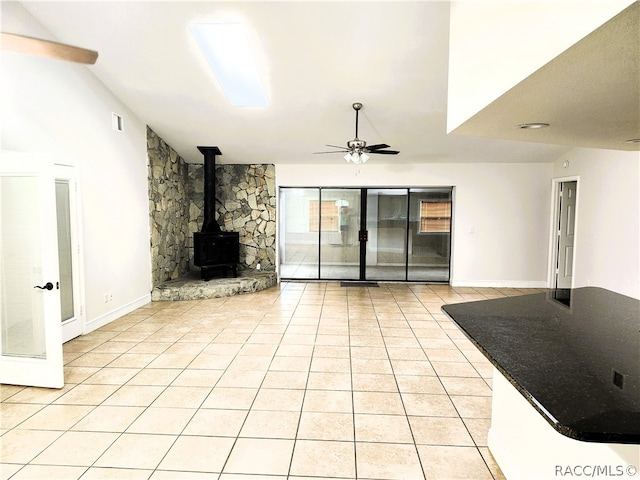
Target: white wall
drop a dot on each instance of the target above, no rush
(607, 248)
(495, 44)
(61, 108)
(501, 212)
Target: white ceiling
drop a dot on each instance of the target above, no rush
(317, 59)
(589, 94)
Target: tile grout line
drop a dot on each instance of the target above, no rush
(304, 395)
(477, 447)
(402, 400)
(353, 400)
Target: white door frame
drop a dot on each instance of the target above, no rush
(76, 326)
(553, 228)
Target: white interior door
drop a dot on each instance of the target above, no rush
(566, 234)
(30, 333)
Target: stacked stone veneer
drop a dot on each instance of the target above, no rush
(168, 210)
(246, 204)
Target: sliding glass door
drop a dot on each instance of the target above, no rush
(299, 234)
(382, 234)
(339, 226)
(386, 246)
(429, 239)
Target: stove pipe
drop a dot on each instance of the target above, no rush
(209, 224)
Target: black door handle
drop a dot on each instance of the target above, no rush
(47, 286)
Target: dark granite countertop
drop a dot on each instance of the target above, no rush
(573, 354)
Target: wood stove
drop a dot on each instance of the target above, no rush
(214, 251)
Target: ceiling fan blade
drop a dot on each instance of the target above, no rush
(385, 152)
(45, 48)
(338, 146)
(377, 146)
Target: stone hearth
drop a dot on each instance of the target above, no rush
(191, 287)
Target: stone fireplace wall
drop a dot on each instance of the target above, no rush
(168, 210)
(246, 204)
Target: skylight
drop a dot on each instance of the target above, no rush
(226, 48)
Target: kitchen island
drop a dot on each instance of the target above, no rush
(566, 385)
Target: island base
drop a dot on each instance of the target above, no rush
(526, 446)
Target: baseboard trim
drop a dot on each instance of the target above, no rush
(498, 283)
(109, 317)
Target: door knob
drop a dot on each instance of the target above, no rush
(47, 286)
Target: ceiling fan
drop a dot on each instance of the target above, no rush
(45, 48)
(357, 150)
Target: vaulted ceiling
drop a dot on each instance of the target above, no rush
(317, 58)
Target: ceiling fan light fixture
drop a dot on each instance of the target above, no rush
(356, 157)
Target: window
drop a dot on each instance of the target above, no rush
(328, 216)
(230, 56)
(435, 217)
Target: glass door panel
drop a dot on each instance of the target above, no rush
(386, 247)
(22, 332)
(429, 234)
(64, 249)
(299, 233)
(30, 332)
(68, 253)
(339, 217)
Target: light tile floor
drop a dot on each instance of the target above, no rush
(301, 380)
